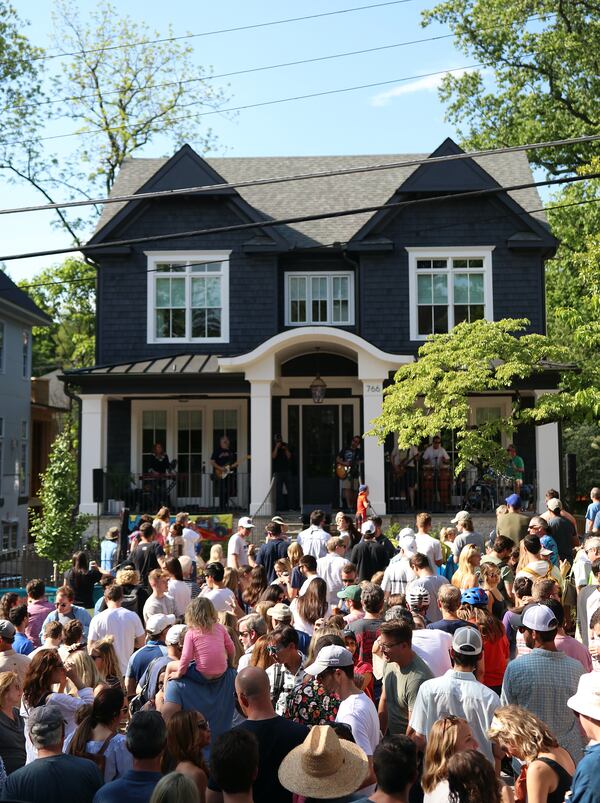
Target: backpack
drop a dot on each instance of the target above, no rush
(143, 696)
(99, 758)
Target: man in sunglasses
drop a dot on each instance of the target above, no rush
(65, 611)
(288, 668)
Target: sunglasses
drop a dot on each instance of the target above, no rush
(203, 724)
(388, 647)
(449, 719)
(272, 650)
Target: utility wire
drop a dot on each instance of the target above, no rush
(208, 188)
(249, 70)
(250, 27)
(335, 244)
(246, 106)
(300, 218)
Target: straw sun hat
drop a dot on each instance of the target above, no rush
(323, 766)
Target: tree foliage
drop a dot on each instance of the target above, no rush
(120, 97)
(432, 394)
(67, 293)
(57, 528)
(540, 78)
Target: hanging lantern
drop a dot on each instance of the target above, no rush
(317, 389)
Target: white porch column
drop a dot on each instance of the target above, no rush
(547, 455)
(260, 446)
(91, 447)
(373, 451)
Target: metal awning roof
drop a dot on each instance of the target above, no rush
(173, 365)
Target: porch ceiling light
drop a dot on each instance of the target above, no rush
(317, 389)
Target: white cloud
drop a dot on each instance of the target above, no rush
(427, 84)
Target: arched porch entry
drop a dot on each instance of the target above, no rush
(280, 371)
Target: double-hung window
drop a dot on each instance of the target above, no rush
(188, 298)
(447, 287)
(319, 298)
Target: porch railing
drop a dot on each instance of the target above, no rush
(194, 492)
(438, 490)
(19, 566)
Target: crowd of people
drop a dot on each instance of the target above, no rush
(344, 665)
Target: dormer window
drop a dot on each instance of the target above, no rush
(319, 298)
(188, 297)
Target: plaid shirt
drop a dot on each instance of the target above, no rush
(542, 682)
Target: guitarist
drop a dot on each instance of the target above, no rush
(223, 457)
(405, 467)
(351, 460)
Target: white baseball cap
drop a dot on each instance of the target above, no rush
(539, 617)
(367, 528)
(467, 641)
(462, 515)
(245, 522)
(159, 622)
(176, 634)
(330, 658)
(407, 542)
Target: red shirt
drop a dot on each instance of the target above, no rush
(495, 654)
(362, 503)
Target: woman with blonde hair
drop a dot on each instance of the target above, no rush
(547, 768)
(449, 735)
(206, 641)
(104, 656)
(294, 553)
(467, 574)
(217, 555)
(86, 669)
(261, 657)
(12, 734)
(188, 733)
(261, 608)
(176, 788)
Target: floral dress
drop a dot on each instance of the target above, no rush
(310, 704)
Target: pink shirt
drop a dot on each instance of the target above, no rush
(208, 650)
(575, 649)
(38, 611)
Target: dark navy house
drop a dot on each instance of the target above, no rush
(198, 336)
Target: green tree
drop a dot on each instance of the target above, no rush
(67, 293)
(432, 394)
(540, 78)
(57, 528)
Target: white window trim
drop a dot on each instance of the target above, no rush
(503, 402)
(186, 257)
(26, 358)
(470, 252)
(308, 275)
(23, 464)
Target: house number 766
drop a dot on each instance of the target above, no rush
(373, 388)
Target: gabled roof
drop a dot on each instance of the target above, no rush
(317, 195)
(19, 304)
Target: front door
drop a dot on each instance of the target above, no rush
(320, 444)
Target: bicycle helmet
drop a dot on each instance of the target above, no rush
(417, 597)
(474, 596)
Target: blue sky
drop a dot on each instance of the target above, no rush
(399, 117)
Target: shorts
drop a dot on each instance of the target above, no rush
(351, 482)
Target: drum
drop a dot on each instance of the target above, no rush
(444, 479)
(427, 486)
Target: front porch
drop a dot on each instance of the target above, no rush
(187, 402)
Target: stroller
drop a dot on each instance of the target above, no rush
(481, 495)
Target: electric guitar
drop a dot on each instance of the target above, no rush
(222, 472)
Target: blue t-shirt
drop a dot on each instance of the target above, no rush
(54, 779)
(596, 525)
(215, 698)
(22, 644)
(585, 787)
(139, 661)
(133, 787)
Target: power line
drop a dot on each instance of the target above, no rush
(250, 27)
(246, 106)
(301, 218)
(304, 249)
(430, 160)
(250, 70)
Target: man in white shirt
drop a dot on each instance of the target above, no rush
(431, 581)
(330, 568)
(432, 646)
(427, 545)
(466, 534)
(458, 693)
(314, 539)
(334, 667)
(237, 548)
(123, 625)
(250, 629)
(435, 454)
(399, 574)
(582, 565)
(222, 598)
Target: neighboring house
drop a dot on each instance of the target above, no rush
(18, 314)
(225, 332)
(49, 405)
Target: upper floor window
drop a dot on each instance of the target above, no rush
(26, 355)
(447, 287)
(319, 298)
(188, 297)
